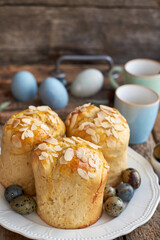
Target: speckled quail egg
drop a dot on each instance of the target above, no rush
(24, 86)
(23, 204)
(125, 191)
(12, 192)
(132, 177)
(109, 191)
(114, 206)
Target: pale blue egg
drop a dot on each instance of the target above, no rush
(24, 86)
(53, 93)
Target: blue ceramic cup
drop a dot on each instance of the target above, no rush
(139, 105)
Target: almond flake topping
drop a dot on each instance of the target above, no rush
(54, 154)
(119, 127)
(26, 134)
(62, 161)
(53, 120)
(82, 173)
(16, 141)
(52, 141)
(92, 163)
(16, 123)
(41, 157)
(43, 108)
(73, 120)
(106, 166)
(90, 131)
(69, 140)
(101, 115)
(44, 127)
(69, 154)
(26, 120)
(95, 139)
(114, 133)
(23, 129)
(105, 124)
(32, 108)
(81, 152)
(91, 174)
(82, 108)
(33, 127)
(97, 122)
(108, 132)
(10, 121)
(42, 146)
(84, 124)
(44, 154)
(57, 148)
(103, 107)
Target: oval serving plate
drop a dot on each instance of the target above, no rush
(137, 212)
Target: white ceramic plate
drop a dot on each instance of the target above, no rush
(138, 211)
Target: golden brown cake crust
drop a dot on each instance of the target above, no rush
(106, 127)
(20, 134)
(70, 176)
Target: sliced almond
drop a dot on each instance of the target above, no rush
(23, 129)
(30, 133)
(115, 133)
(41, 157)
(33, 127)
(91, 174)
(53, 120)
(83, 173)
(103, 107)
(54, 155)
(44, 154)
(69, 154)
(84, 106)
(16, 141)
(95, 138)
(10, 121)
(51, 158)
(52, 141)
(90, 131)
(80, 152)
(84, 124)
(73, 120)
(92, 163)
(101, 115)
(57, 148)
(32, 108)
(119, 127)
(26, 120)
(105, 124)
(43, 108)
(62, 160)
(106, 166)
(108, 132)
(69, 140)
(97, 122)
(44, 127)
(111, 144)
(92, 145)
(42, 146)
(16, 123)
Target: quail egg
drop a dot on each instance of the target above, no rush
(114, 206)
(23, 204)
(125, 191)
(109, 191)
(12, 192)
(132, 177)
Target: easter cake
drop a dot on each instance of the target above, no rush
(105, 127)
(20, 134)
(70, 176)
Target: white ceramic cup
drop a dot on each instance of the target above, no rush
(139, 105)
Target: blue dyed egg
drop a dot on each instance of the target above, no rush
(24, 86)
(53, 93)
(125, 191)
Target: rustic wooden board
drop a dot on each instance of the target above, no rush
(150, 230)
(100, 3)
(41, 33)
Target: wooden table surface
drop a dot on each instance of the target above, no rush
(148, 231)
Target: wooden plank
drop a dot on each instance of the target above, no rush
(40, 34)
(87, 3)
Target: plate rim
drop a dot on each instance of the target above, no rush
(125, 230)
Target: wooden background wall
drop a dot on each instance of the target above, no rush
(38, 31)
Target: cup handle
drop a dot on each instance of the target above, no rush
(111, 75)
